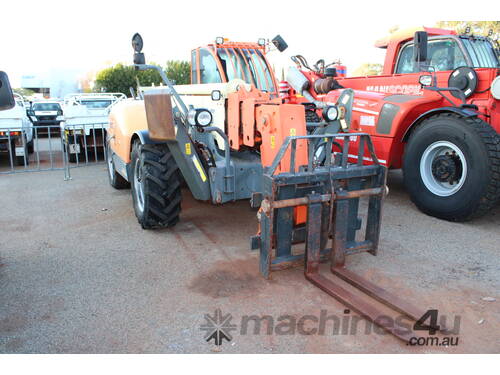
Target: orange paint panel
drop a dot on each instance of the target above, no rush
(233, 120)
(248, 121)
(126, 118)
(275, 123)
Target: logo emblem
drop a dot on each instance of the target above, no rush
(218, 327)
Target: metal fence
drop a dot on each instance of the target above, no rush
(48, 148)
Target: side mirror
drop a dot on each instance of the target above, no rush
(420, 46)
(137, 45)
(6, 96)
(279, 43)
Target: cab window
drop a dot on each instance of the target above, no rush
(208, 68)
(442, 54)
(233, 67)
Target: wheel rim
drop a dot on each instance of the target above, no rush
(443, 168)
(138, 186)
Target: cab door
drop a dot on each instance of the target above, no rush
(205, 68)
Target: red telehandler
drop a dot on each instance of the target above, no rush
(434, 112)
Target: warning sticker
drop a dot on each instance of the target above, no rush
(188, 148)
(367, 120)
(273, 141)
(199, 168)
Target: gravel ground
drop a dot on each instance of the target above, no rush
(78, 275)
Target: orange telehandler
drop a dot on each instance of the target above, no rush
(230, 136)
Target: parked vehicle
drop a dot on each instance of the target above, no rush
(44, 114)
(86, 121)
(434, 112)
(16, 132)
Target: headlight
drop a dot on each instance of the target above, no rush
(330, 113)
(199, 117)
(33, 118)
(495, 88)
(59, 118)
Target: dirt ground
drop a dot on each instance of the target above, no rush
(79, 275)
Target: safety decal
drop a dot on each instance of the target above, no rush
(199, 168)
(367, 120)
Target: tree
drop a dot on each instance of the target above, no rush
(120, 78)
(476, 27)
(149, 77)
(368, 69)
(179, 72)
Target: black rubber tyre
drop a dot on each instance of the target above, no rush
(155, 186)
(477, 187)
(116, 180)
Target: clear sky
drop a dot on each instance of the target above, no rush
(85, 35)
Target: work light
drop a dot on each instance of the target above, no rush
(495, 88)
(199, 117)
(330, 113)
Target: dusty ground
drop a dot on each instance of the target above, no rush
(78, 275)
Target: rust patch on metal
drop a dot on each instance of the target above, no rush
(159, 114)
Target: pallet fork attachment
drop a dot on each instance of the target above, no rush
(331, 192)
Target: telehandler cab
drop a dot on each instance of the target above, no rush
(434, 112)
(230, 137)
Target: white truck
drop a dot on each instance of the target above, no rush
(16, 133)
(85, 123)
(46, 115)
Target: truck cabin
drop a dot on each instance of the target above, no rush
(446, 50)
(224, 61)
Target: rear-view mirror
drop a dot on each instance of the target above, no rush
(137, 45)
(6, 97)
(420, 46)
(279, 43)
